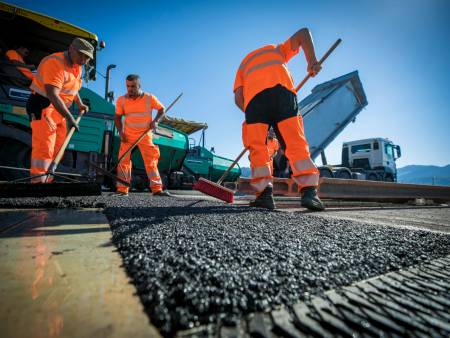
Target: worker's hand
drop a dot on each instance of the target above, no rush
(73, 123)
(123, 137)
(154, 125)
(314, 68)
(83, 108)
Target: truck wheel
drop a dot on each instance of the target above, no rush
(326, 172)
(373, 177)
(14, 154)
(343, 174)
(389, 179)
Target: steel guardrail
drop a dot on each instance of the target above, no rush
(356, 190)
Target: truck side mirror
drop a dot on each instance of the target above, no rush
(399, 151)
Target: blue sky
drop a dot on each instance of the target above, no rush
(400, 48)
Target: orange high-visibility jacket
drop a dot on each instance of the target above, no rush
(137, 112)
(14, 56)
(265, 68)
(55, 70)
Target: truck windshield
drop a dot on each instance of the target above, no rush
(388, 149)
(361, 148)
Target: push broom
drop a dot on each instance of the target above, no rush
(216, 189)
(135, 143)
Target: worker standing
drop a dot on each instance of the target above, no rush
(265, 92)
(273, 146)
(55, 86)
(17, 56)
(136, 110)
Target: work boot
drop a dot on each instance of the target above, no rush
(310, 199)
(162, 193)
(120, 193)
(265, 199)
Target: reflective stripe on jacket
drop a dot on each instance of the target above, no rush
(137, 112)
(55, 70)
(265, 68)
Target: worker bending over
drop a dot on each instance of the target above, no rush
(265, 91)
(136, 110)
(17, 56)
(55, 86)
(273, 146)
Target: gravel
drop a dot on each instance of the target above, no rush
(193, 262)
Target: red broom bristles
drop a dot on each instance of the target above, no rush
(214, 190)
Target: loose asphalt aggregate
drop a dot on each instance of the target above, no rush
(193, 262)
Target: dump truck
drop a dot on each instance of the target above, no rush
(370, 159)
(326, 112)
(181, 162)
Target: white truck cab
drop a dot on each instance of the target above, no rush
(375, 157)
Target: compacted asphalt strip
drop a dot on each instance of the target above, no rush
(195, 262)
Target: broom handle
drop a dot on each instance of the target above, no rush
(232, 166)
(61, 151)
(327, 54)
(141, 137)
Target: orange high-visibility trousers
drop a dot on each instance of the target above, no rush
(47, 136)
(150, 155)
(304, 171)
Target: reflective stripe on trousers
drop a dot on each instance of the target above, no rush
(47, 136)
(261, 177)
(305, 173)
(40, 164)
(124, 172)
(154, 178)
(150, 155)
(254, 137)
(311, 180)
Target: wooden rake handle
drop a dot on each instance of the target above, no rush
(141, 137)
(61, 151)
(327, 54)
(232, 166)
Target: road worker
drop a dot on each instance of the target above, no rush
(273, 146)
(17, 56)
(133, 117)
(55, 86)
(265, 92)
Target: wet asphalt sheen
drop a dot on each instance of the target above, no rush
(194, 261)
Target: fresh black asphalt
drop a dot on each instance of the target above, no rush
(193, 262)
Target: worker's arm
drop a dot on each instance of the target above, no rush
(303, 39)
(239, 97)
(81, 106)
(119, 126)
(158, 117)
(58, 103)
